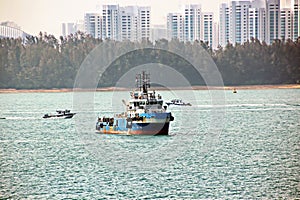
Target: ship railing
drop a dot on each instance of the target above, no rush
(120, 115)
(132, 109)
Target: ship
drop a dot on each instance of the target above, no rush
(145, 113)
(65, 114)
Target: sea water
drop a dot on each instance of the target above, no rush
(244, 145)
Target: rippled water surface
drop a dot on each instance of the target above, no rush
(256, 155)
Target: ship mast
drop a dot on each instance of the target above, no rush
(143, 82)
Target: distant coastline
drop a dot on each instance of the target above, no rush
(240, 87)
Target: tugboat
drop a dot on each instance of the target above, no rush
(144, 115)
(65, 114)
(178, 102)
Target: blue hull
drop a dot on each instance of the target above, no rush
(152, 124)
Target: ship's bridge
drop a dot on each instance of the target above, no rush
(149, 103)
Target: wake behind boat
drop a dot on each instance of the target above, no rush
(144, 115)
(64, 114)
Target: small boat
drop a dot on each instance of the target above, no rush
(65, 114)
(177, 102)
(2, 118)
(145, 113)
(234, 90)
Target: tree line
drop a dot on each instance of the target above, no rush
(43, 61)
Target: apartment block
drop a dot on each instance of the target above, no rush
(273, 21)
(175, 26)
(224, 24)
(296, 19)
(11, 30)
(286, 24)
(119, 23)
(129, 20)
(93, 24)
(208, 28)
(143, 25)
(257, 20)
(111, 22)
(238, 21)
(192, 22)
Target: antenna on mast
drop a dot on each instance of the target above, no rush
(143, 81)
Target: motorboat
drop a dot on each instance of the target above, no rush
(178, 102)
(65, 114)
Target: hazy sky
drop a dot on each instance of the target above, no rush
(47, 15)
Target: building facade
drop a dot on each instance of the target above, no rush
(111, 22)
(216, 42)
(143, 25)
(119, 23)
(175, 26)
(71, 28)
(93, 24)
(129, 22)
(296, 20)
(273, 21)
(68, 28)
(192, 22)
(11, 30)
(257, 20)
(265, 20)
(158, 32)
(208, 28)
(238, 21)
(286, 24)
(224, 24)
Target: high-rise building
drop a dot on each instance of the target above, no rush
(80, 25)
(257, 20)
(191, 25)
(68, 28)
(285, 3)
(10, 24)
(119, 23)
(224, 24)
(71, 28)
(175, 26)
(238, 21)
(111, 22)
(143, 25)
(286, 24)
(128, 22)
(92, 24)
(272, 21)
(11, 30)
(207, 28)
(265, 20)
(215, 43)
(192, 22)
(158, 32)
(296, 20)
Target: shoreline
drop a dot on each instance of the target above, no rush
(108, 89)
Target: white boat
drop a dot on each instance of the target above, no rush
(177, 102)
(65, 114)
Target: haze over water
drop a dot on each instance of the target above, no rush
(255, 156)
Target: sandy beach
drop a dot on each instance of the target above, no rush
(241, 87)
